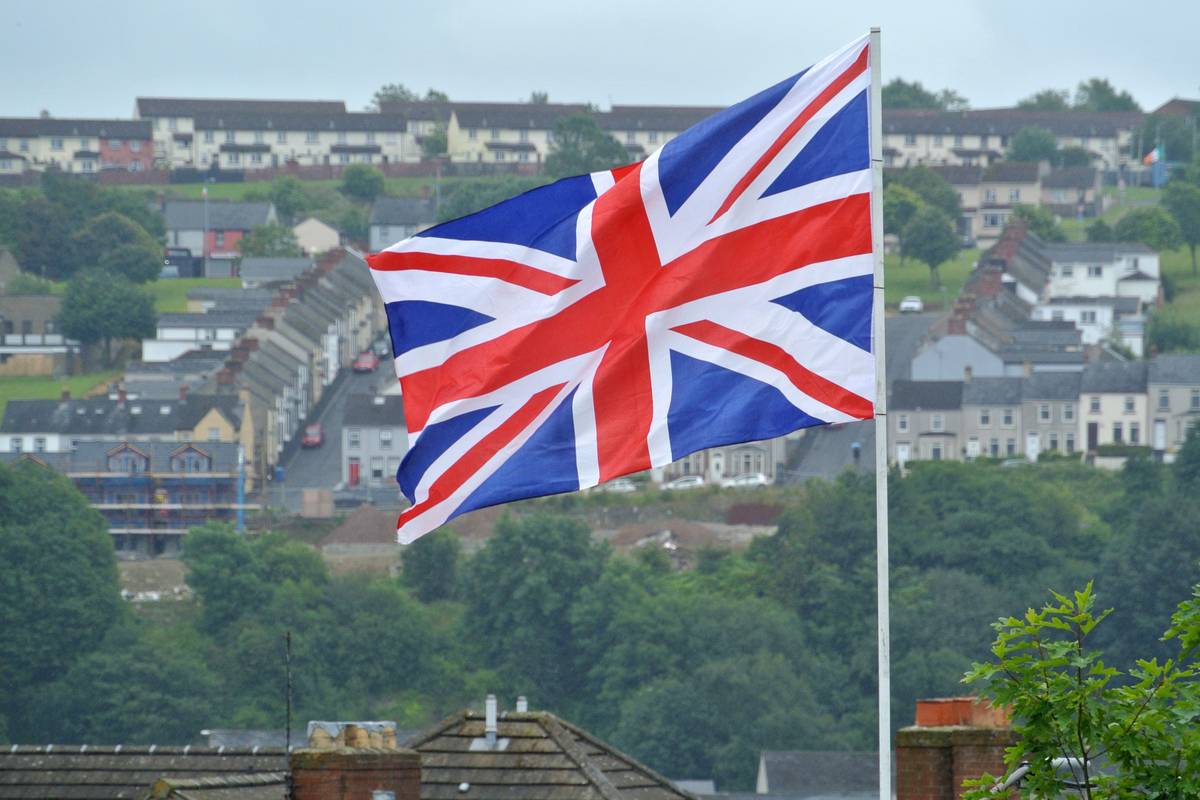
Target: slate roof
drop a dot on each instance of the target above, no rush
(654, 118)
(423, 110)
(1051, 386)
(93, 456)
(1178, 368)
(188, 106)
(1094, 251)
(530, 116)
(988, 391)
(273, 269)
(1070, 178)
(265, 120)
(806, 773)
(214, 318)
(86, 772)
(260, 786)
(1008, 121)
(362, 409)
(222, 215)
(104, 417)
(960, 174)
(403, 211)
(21, 127)
(1116, 377)
(537, 755)
(926, 395)
(1019, 354)
(1011, 172)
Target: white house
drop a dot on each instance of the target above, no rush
(316, 237)
(176, 334)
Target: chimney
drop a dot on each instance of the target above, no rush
(121, 395)
(489, 720)
(953, 739)
(183, 392)
(250, 343)
(957, 324)
(66, 395)
(266, 321)
(968, 373)
(991, 280)
(225, 377)
(355, 774)
(522, 705)
(239, 353)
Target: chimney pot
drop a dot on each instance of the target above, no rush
(489, 723)
(968, 373)
(183, 392)
(522, 704)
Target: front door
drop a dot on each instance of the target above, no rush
(1160, 434)
(1093, 435)
(1033, 446)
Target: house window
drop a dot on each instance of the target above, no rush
(1087, 317)
(471, 133)
(524, 136)
(235, 158)
(958, 141)
(994, 448)
(260, 137)
(171, 124)
(370, 137)
(1068, 412)
(937, 140)
(1053, 437)
(1164, 400)
(993, 220)
(1044, 412)
(1067, 271)
(39, 444)
(902, 423)
(652, 137)
(208, 137)
(343, 158)
(214, 434)
(1195, 399)
(1010, 447)
(1056, 315)
(256, 158)
(989, 195)
(1008, 418)
(1014, 195)
(495, 134)
(341, 137)
(14, 444)
(219, 238)
(499, 155)
(24, 148)
(135, 146)
(281, 137)
(937, 423)
(985, 417)
(1069, 439)
(385, 439)
(1095, 271)
(56, 143)
(523, 157)
(1129, 405)
(354, 437)
(114, 144)
(377, 468)
(935, 451)
(1094, 405)
(229, 137)
(1135, 433)
(311, 137)
(910, 138)
(1118, 435)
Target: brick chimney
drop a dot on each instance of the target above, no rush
(121, 396)
(250, 343)
(349, 773)
(239, 353)
(266, 322)
(66, 395)
(957, 324)
(183, 392)
(225, 377)
(991, 280)
(952, 740)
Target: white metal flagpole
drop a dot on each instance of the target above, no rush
(881, 428)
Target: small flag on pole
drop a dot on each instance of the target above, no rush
(1153, 157)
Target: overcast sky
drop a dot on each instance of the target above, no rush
(86, 59)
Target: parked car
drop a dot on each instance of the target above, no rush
(366, 362)
(620, 485)
(314, 436)
(912, 305)
(749, 479)
(686, 482)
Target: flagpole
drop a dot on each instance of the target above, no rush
(881, 449)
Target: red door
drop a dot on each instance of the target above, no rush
(354, 472)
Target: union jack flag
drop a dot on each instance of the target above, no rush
(717, 292)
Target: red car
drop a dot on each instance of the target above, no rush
(314, 436)
(366, 362)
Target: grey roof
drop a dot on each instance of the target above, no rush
(988, 391)
(262, 120)
(654, 118)
(1051, 386)
(234, 786)
(403, 211)
(74, 771)
(530, 116)
(544, 757)
(1124, 305)
(222, 215)
(423, 110)
(1070, 178)
(813, 773)
(1050, 334)
(1122, 377)
(105, 417)
(367, 410)
(1019, 354)
(19, 127)
(958, 174)
(225, 292)
(1008, 121)
(210, 319)
(1011, 172)
(1094, 251)
(273, 269)
(1178, 368)
(188, 106)
(926, 395)
(93, 456)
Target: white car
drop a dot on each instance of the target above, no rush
(620, 485)
(912, 305)
(686, 482)
(752, 479)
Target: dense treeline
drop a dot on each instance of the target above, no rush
(693, 671)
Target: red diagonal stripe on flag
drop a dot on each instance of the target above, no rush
(772, 355)
(841, 82)
(532, 278)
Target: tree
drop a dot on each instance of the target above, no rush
(1047, 100)
(105, 233)
(931, 187)
(900, 204)
(391, 93)
(1100, 231)
(43, 239)
(430, 566)
(362, 182)
(929, 237)
(58, 582)
(1068, 703)
(99, 307)
(580, 146)
(435, 96)
(1032, 144)
(539, 98)
(289, 197)
(899, 93)
(1073, 156)
(434, 144)
(1187, 463)
(1182, 199)
(1174, 133)
(1152, 226)
(1039, 221)
(25, 284)
(137, 263)
(466, 197)
(1097, 94)
(271, 239)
